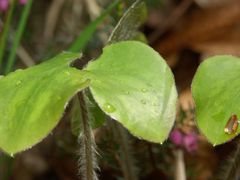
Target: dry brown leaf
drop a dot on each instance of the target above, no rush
(200, 26)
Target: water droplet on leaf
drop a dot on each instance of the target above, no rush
(144, 90)
(232, 125)
(143, 101)
(67, 73)
(109, 108)
(18, 70)
(18, 82)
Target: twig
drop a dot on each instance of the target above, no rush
(180, 173)
(94, 9)
(52, 17)
(151, 156)
(178, 12)
(127, 163)
(25, 57)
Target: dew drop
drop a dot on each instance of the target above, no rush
(18, 70)
(18, 82)
(67, 73)
(12, 155)
(232, 125)
(143, 101)
(109, 108)
(144, 90)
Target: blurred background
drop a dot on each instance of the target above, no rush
(184, 32)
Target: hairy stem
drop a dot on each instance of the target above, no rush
(87, 161)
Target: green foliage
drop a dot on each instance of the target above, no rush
(33, 100)
(127, 27)
(18, 36)
(216, 94)
(4, 34)
(79, 45)
(134, 85)
(129, 81)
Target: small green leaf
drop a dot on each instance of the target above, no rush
(216, 94)
(95, 115)
(32, 101)
(133, 84)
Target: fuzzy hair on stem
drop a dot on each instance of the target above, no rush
(87, 161)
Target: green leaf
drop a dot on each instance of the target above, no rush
(133, 84)
(216, 94)
(127, 27)
(32, 101)
(95, 115)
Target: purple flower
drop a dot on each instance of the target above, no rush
(4, 5)
(176, 137)
(22, 2)
(190, 142)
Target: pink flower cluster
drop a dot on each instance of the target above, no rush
(187, 141)
(5, 3)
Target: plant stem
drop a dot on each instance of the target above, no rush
(127, 163)
(6, 27)
(87, 161)
(230, 169)
(6, 165)
(18, 36)
(151, 156)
